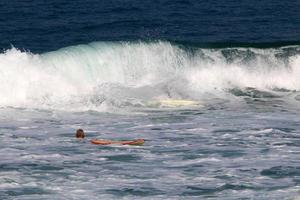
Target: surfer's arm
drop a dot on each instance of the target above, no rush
(107, 142)
(102, 142)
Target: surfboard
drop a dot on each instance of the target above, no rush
(173, 103)
(110, 142)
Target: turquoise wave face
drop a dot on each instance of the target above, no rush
(125, 74)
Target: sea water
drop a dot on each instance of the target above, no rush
(114, 69)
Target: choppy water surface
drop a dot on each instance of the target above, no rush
(237, 137)
(216, 153)
(112, 68)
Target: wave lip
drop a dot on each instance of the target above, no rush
(100, 75)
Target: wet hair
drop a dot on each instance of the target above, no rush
(80, 133)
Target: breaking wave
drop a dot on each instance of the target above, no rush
(102, 75)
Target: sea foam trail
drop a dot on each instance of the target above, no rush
(99, 74)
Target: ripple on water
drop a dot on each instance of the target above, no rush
(281, 172)
(123, 158)
(200, 190)
(141, 191)
(26, 191)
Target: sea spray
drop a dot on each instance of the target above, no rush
(120, 74)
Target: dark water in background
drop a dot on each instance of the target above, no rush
(240, 141)
(41, 26)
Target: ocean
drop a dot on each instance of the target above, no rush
(212, 86)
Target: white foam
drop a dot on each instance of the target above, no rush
(192, 161)
(100, 75)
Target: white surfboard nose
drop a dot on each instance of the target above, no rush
(173, 103)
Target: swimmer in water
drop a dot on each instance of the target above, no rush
(80, 135)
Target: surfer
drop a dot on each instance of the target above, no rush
(80, 135)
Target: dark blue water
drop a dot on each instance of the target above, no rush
(213, 87)
(41, 26)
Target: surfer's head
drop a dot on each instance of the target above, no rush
(80, 133)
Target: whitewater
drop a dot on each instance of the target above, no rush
(238, 139)
(102, 75)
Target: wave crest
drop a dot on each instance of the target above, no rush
(120, 74)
